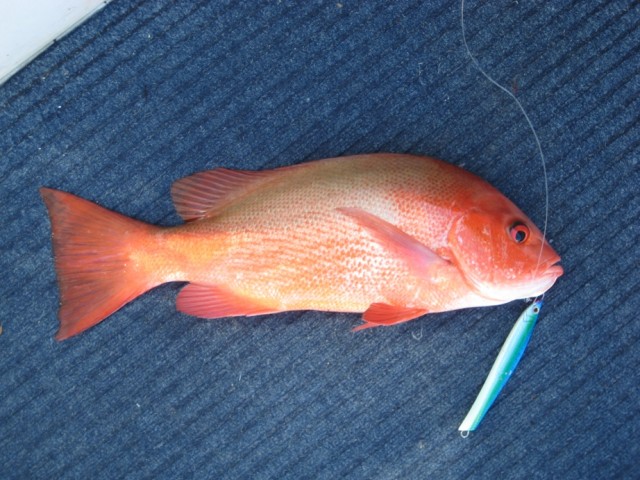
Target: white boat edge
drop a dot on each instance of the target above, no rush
(28, 28)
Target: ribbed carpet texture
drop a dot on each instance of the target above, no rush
(147, 92)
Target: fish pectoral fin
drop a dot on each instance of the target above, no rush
(209, 192)
(210, 301)
(418, 256)
(383, 314)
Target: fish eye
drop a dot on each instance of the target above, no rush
(519, 232)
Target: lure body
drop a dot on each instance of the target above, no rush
(503, 367)
(393, 236)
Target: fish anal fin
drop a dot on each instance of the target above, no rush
(210, 301)
(419, 257)
(207, 193)
(383, 314)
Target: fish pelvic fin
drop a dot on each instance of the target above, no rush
(94, 250)
(382, 314)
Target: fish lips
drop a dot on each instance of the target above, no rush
(552, 268)
(546, 280)
(554, 271)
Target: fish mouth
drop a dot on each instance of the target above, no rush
(547, 279)
(554, 270)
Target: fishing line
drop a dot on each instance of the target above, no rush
(533, 130)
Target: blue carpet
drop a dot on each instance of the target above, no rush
(147, 92)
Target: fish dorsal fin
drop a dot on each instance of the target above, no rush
(207, 193)
(419, 257)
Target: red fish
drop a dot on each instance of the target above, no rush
(393, 236)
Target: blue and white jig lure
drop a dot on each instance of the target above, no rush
(506, 362)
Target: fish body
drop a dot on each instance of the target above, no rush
(394, 236)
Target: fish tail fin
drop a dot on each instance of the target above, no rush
(93, 249)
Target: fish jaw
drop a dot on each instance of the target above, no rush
(525, 288)
(546, 281)
(544, 275)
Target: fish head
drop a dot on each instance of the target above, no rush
(501, 254)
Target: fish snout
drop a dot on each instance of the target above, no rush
(554, 271)
(547, 274)
(550, 263)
